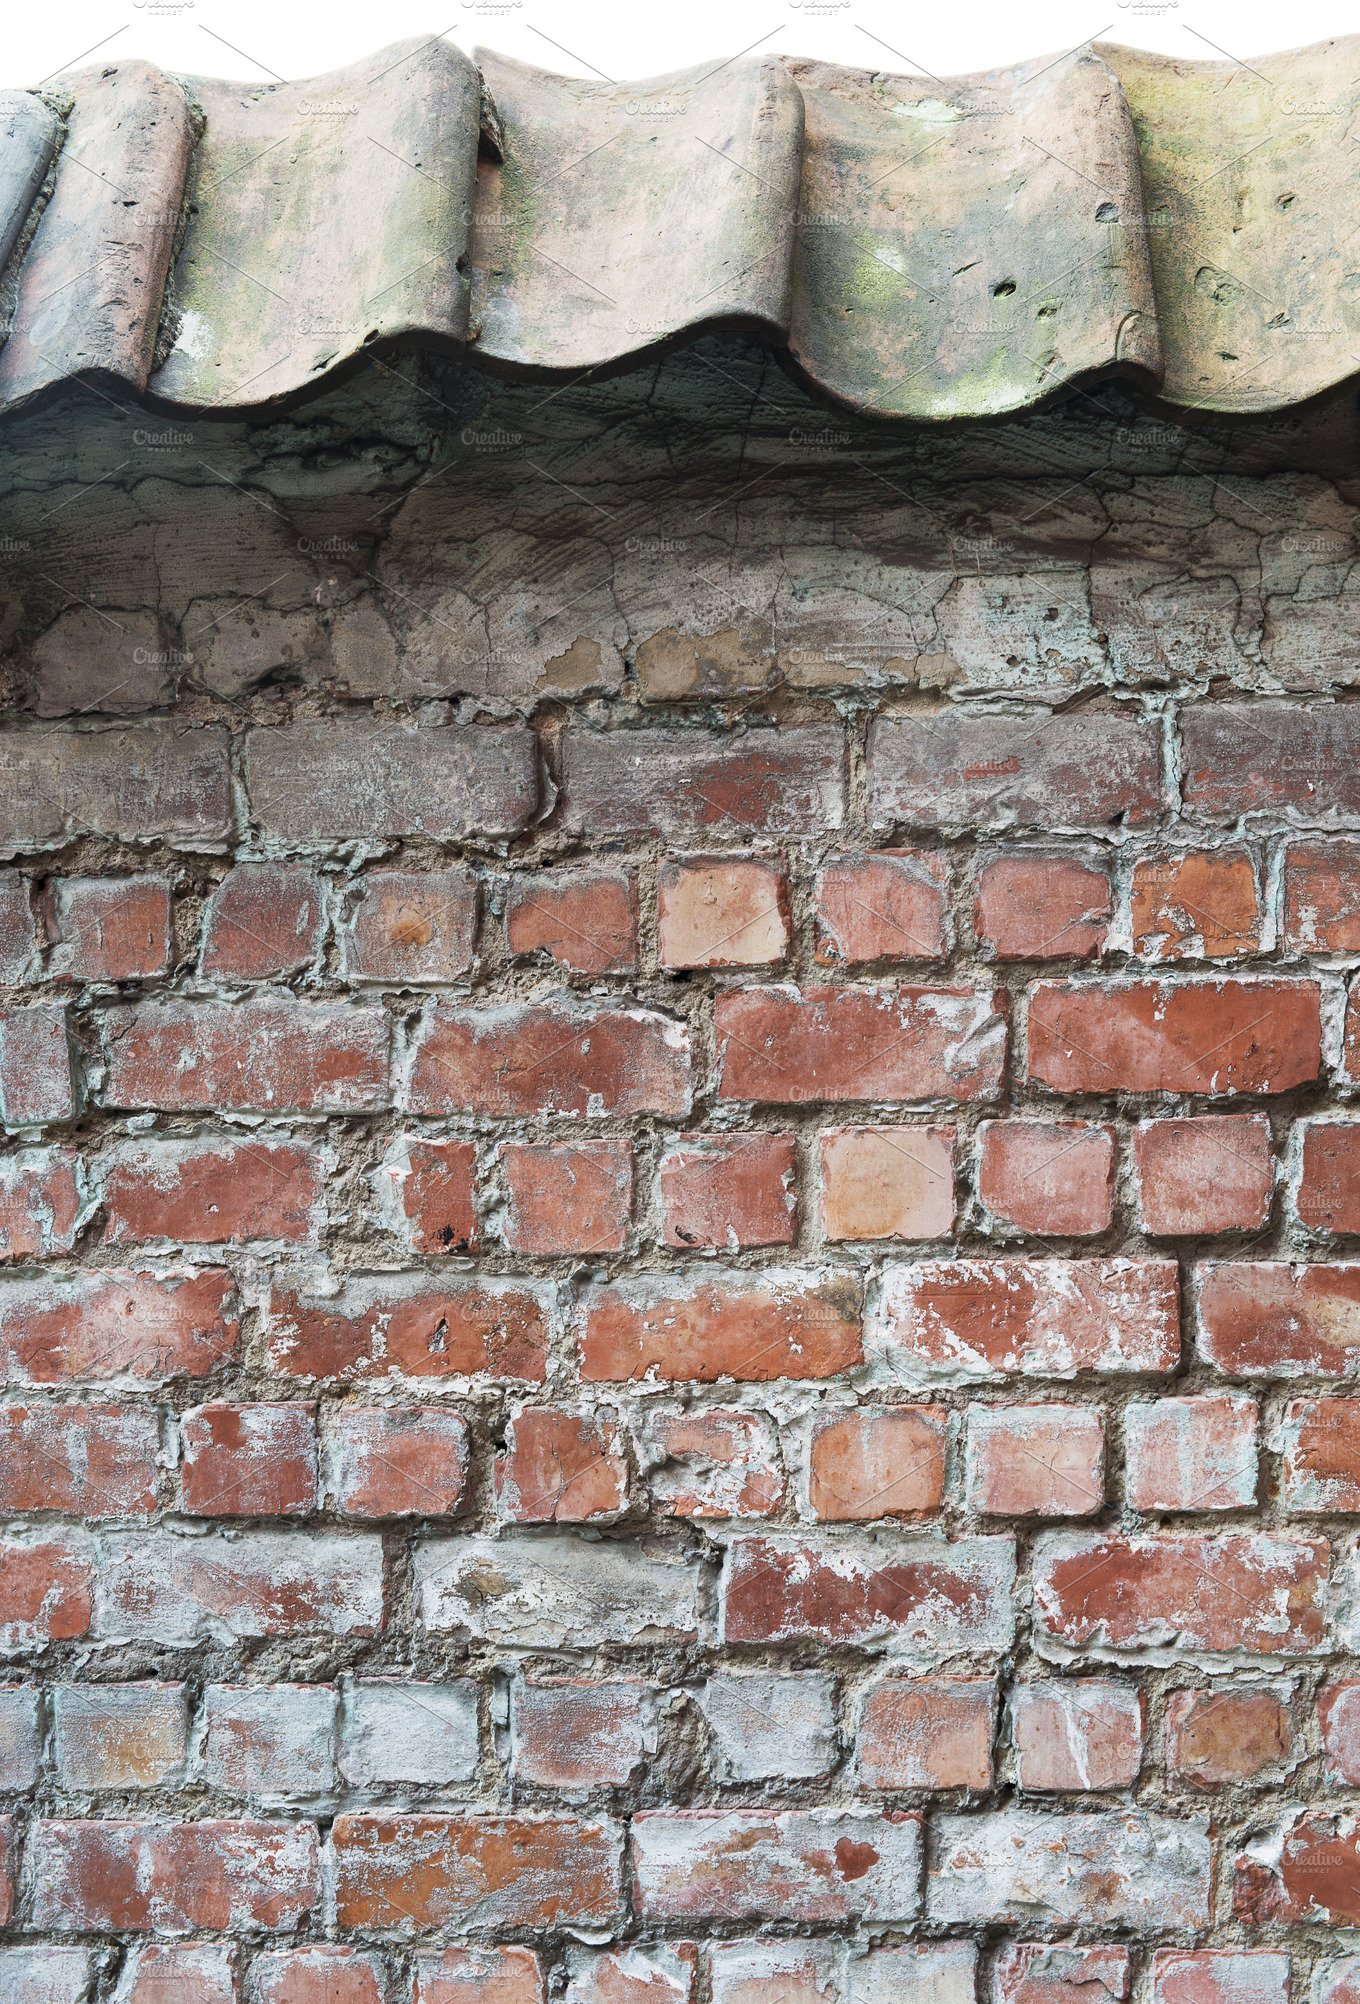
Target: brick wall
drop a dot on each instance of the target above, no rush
(705, 1361)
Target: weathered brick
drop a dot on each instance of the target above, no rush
(256, 1460)
(263, 919)
(395, 1873)
(556, 1591)
(1339, 1723)
(684, 783)
(949, 1320)
(335, 779)
(48, 1974)
(399, 1731)
(108, 928)
(714, 1463)
(560, 1467)
(268, 1054)
(1040, 1972)
(136, 783)
(830, 1972)
(410, 928)
(567, 1196)
(40, 1204)
(212, 1192)
(1206, 1036)
(729, 1190)
(406, 1325)
(160, 1586)
(584, 920)
(119, 1736)
(1350, 1039)
(1322, 896)
(132, 1326)
(37, 1071)
(1103, 1868)
(722, 912)
(652, 1973)
(1192, 1454)
(1035, 1461)
(1054, 1177)
(554, 1056)
(1259, 1318)
(749, 1326)
(183, 1974)
(18, 930)
(1339, 1982)
(1216, 1738)
(1328, 1196)
(890, 906)
(1203, 905)
(1249, 758)
(318, 1976)
(428, 1190)
(786, 1046)
(270, 1741)
(1219, 1976)
(887, 1182)
(927, 1732)
(1079, 1733)
(479, 1976)
(1208, 1173)
(1253, 1591)
(798, 1865)
(1321, 1466)
(971, 769)
(878, 1461)
(915, 1596)
(21, 1738)
(169, 1878)
(397, 1461)
(1041, 908)
(45, 1589)
(573, 1736)
(85, 1460)
(769, 1726)
(1312, 1874)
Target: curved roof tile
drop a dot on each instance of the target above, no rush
(922, 249)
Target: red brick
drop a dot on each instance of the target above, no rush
(408, 1326)
(1316, 1876)
(984, 1318)
(567, 1196)
(1329, 1179)
(18, 931)
(39, 1204)
(1078, 1733)
(570, 1734)
(1219, 1976)
(1217, 1738)
(683, 783)
(713, 1464)
(1040, 1972)
(120, 1736)
(561, 1468)
(748, 1326)
(1243, 1590)
(722, 912)
(1321, 1467)
(249, 1460)
(786, 1046)
(1166, 1036)
(921, 1596)
(800, 1971)
(411, 927)
(213, 1192)
(1192, 1454)
(1054, 1177)
(434, 1187)
(662, 1973)
(318, 1976)
(166, 1877)
(45, 1590)
(88, 1461)
(1339, 1720)
(887, 1182)
(925, 1732)
(270, 1054)
(729, 1190)
(117, 1325)
(889, 906)
(477, 1976)
(395, 1873)
(878, 1461)
(160, 1974)
(108, 928)
(1259, 1318)
(263, 919)
(1212, 1173)
(1041, 908)
(789, 1865)
(1203, 905)
(397, 1461)
(1322, 896)
(133, 782)
(1246, 757)
(37, 1073)
(559, 1056)
(1036, 1461)
(970, 768)
(268, 1740)
(583, 919)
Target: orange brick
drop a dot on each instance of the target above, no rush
(919, 1732)
(1200, 906)
(1050, 1177)
(890, 906)
(887, 1182)
(878, 1461)
(1208, 1173)
(1216, 1738)
(729, 1190)
(1036, 1461)
(731, 912)
(584, 920)
(567, 1196)
(561, 1468)
(1041, 908)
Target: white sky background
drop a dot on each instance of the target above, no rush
(641, 38)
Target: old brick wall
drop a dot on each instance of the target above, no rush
(700, 1356)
